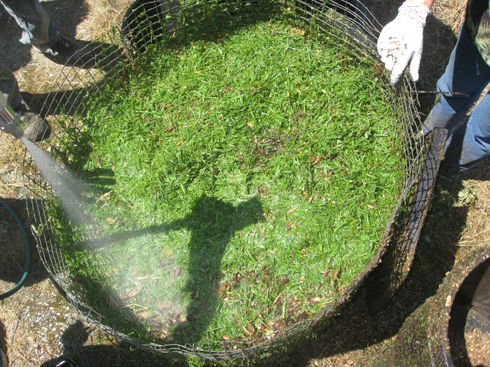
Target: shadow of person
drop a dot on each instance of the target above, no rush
(212, 223)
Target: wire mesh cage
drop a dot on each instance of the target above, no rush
(150, 22)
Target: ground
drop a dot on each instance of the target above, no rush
(37, 325)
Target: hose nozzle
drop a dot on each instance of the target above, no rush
(9, 120)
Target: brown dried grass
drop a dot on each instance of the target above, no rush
(11, 158)
(102, 16)
(477, 230)
(450, 12)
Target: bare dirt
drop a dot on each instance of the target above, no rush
(37, 325)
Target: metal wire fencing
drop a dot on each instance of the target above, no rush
(150, 21)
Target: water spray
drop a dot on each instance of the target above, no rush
(64, 183)
(9, 120)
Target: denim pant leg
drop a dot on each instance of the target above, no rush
(470, 144)
(9, 87)
(37, 26)
(466, 72)
(466, 75)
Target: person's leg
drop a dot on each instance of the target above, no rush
(38, 28)
(470, 144)
(9, 87)
(34, 127)
(40, 31)
(466, 75)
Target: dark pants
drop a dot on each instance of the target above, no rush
(37, 29)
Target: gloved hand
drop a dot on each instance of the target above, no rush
(400, 42)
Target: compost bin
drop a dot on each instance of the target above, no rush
(148, 23)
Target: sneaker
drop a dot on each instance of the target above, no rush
(35, 128)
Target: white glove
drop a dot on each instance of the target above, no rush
(400, 42)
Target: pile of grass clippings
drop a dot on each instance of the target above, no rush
(251, 179)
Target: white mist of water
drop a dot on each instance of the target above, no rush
(65, 184)
(71, 191)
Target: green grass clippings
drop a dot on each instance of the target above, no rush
(252, 176)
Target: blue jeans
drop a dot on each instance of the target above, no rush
(462, 83)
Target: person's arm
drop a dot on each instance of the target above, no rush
(400, 42)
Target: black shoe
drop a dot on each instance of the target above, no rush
(83, 54)
(62, 50)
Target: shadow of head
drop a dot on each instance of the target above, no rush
(252, 209)
(74, 337)
(209, 214)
